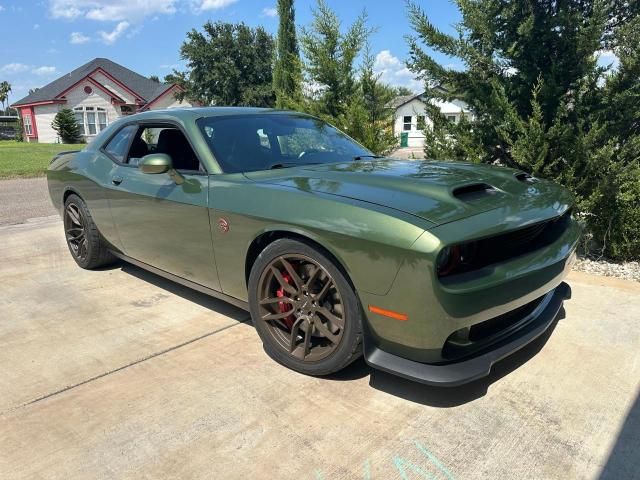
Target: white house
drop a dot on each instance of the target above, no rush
(410, 117)
(99, 93)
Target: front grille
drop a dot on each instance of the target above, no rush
(467, 341)
(488, 251)
(489, 328)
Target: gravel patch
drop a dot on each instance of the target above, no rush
(626, 271)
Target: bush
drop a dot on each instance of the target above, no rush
(19, 137)
(612, 205)
(65, 124)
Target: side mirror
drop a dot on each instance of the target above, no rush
(155, 163)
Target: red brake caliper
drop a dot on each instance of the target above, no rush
(285, 307)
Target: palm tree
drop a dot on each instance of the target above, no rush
(5, 88)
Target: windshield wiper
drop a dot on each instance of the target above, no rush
(291, 164)
(360, 157)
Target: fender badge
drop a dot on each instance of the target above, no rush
(223, 225)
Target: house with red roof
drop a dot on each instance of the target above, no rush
(99, 92)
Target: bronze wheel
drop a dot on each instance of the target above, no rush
(304, 308)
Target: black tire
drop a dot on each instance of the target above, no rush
(86, 245)
(334, 355)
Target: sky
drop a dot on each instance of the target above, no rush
(43, 39)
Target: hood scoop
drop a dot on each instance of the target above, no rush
(525, 177)
(474, 191)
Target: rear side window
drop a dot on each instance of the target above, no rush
(118, 145)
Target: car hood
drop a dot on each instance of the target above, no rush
(439, 192)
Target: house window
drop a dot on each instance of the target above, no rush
(102, 120)
(91, 120)
(28, 127)
(451, 118)
(407, 122)
(79, 119)
(127, 110)
(422, 122)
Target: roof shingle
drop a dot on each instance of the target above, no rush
(144, 87)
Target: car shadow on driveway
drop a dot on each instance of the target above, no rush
(440, 397)
(446, 397)
(202, 299)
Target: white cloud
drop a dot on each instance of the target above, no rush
(36, 26)
(14, 68)
(110, 38)
(1, 8)
(394, 72)
(170, 66)
(44, 70)
(78, 38)
(17, 68)
(202, 5)
(111, 10)
(269, 12)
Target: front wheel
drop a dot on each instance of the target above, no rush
(85, 243)
(304, 309)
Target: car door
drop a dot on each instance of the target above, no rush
(159, 222)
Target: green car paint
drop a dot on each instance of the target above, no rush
(385, 221)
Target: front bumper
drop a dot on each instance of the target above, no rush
(478, 366)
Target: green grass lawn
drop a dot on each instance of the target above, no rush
(21, 159)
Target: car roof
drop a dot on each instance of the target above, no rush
(193, 113)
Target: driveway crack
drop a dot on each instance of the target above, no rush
(118, 369)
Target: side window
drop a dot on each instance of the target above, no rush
(171, 141)
(117, 146)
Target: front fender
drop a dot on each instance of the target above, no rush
(368, 241)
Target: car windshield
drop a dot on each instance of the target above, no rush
(248, 143)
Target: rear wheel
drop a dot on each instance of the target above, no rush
(304, 309)
(86, 245)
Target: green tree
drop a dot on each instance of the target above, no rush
(401, 91)
(287, 72)
(67, 127)
(331, 56)
(609, 179)
(228, 64)
(369, 118)
(539, 104)
(512, 51)
(5, 89)
(19, 136)
(155, 78)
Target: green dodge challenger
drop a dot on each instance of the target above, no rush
(433, 271)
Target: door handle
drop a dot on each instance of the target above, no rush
(117, 180)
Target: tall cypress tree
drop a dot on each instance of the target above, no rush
(331, 53)
(287, 73)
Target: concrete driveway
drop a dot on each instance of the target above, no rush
(24, 198)
(120, 374)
